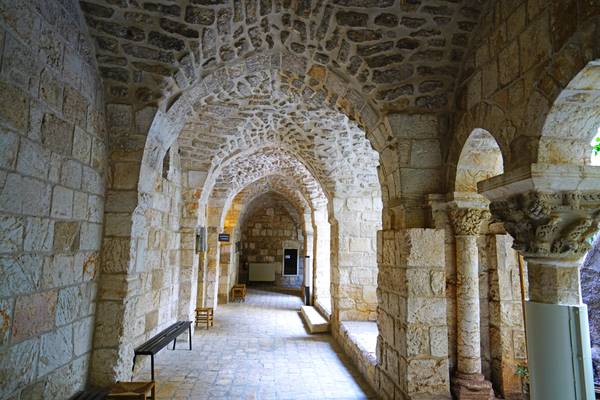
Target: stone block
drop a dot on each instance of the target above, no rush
(425, 154)
(95, 209)
(34, 196)
(416, 126)
(427, 311)
(9, 143)
(56, 349)
(71, 174)
(143, 120)
(91, 236)
(70, 302)
(62, 202)
(80, 205)
(6, 312)
(57, 134)
(428, 376)
(11, 234)
(82, 145)
(61, 272)
(64, 382)
(92, 181)
(119, 119)
(438, 341)
(66, 236)
(121, 201)
(418, 283)
(420, 181)
(83, 331)
(417, 341)
(14, 108)
(117, 224)
(33, 159)
(98, 160)
(18, 368)
(10, 192)
(40, 305)
(20, 274)
(74, 107)
(50, 90)
(39, 234)
(422, 248)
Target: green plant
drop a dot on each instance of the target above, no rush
(522, 371)
(596, 146)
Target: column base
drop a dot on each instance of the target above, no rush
(472, 387)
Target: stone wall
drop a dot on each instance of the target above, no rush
(52, 167)
(354, 257)
(139, 284)
(267, 229)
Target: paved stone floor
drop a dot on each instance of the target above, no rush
(258, 350)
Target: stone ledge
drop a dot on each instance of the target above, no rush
(359, 341)
(314, 321)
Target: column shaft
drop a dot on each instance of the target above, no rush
(467, 269)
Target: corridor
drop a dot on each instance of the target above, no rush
(257, 350)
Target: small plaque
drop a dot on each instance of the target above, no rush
(223, 237)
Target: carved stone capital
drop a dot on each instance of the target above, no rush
(467, 220)
(555, 225)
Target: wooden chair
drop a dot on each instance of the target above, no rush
(239, 292)
(132, 391)
(204, 315)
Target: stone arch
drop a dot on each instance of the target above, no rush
(573, 120)
(484, 116)
(330, 91)
(564, 103)
(480, 159)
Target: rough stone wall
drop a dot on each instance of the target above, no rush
(525, 53)
(266, 231)
(52, 168)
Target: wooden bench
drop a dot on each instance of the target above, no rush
(161, 340)
(132, 391)
(91, 394)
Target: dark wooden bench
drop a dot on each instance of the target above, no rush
(91, 394)
(161, 340)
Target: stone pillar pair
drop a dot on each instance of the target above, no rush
(468, 382)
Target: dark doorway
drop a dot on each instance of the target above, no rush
(290, 262)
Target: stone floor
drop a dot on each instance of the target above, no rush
(258, 350)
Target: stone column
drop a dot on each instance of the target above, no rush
(551, 211)
(412, 346)
(468, 382)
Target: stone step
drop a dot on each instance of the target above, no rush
(315, 321)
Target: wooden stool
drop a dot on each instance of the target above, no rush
(204, 315)
(132, 391)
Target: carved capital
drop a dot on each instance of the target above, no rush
(550, 224)
(467, 220)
